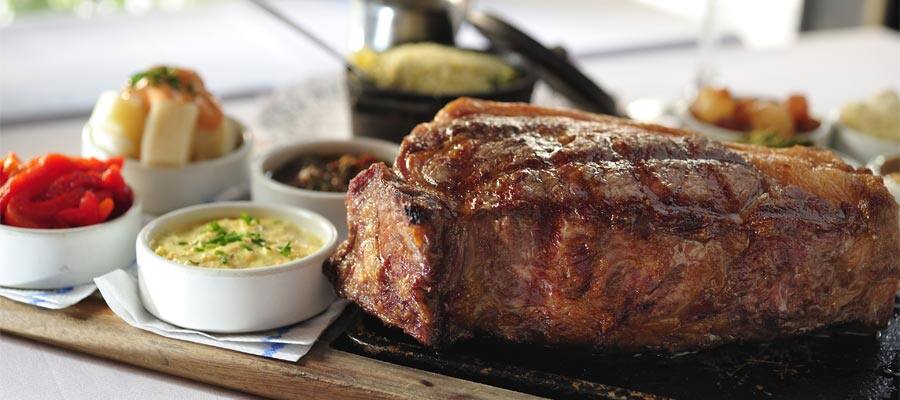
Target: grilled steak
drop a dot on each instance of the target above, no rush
(564, 228)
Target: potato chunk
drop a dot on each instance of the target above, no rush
(169, 133)
(215, 143)
(117, 124)
(713, 105)
(767, 115)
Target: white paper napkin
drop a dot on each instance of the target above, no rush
(120, 289)
(53, 299)
(236, 193)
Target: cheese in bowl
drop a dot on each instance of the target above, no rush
(244, 242)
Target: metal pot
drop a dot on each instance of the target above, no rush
(382, 24)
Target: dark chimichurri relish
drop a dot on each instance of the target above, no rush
(326, 173)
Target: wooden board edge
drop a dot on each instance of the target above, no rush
(325, 373)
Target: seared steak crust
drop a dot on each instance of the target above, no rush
(565, 228)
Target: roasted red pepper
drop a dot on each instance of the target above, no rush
(9, 167)
(56, 191)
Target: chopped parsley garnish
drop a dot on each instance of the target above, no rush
(223, 239)
(158, 76)
(247, 246)
(247, 218)
(215, 227)
(182, 243)
(223, 258)
(256, 238)
(285, 250)
(222, 236)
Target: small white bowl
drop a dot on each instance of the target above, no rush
(234, 300)
(819, 137)
(264, 189)
(165, 189)
(862, 146)
(58, 258)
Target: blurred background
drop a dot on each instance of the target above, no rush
(57, 55)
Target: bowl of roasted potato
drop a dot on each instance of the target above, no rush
(719, 115)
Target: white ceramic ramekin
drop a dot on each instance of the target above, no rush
(58, 258)
(820, 136)
(234, 300)
(862, 146)
(165, 189)
(264, 189)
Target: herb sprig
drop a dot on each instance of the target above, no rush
(222, 236)
(223, 258)
(257, 239)
(248, 219)
(157, 76)
(285, 250)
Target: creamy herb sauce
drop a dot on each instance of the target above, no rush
(235, 243)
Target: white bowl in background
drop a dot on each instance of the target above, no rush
(892, 185)
(58, 258)
(820, 136)
(234, 300)
(164, 189)
(862, 146)
(265, 189)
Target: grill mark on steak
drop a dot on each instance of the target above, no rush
(565, 228)
(682, 194)
(645, 177)
(520, 162)
(540, 143)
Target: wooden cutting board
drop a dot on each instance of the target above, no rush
(324, 373)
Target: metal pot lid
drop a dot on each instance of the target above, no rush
(553, 68)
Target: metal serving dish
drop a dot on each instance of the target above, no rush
(391, 114)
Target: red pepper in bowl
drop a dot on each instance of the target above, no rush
(57, 191)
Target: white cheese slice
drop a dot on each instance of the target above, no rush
(168, 133)
(215, 143)
(117, 124)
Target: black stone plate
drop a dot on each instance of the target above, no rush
(839, 363)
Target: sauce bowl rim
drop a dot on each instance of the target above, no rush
(144, 238)
(258, 165)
